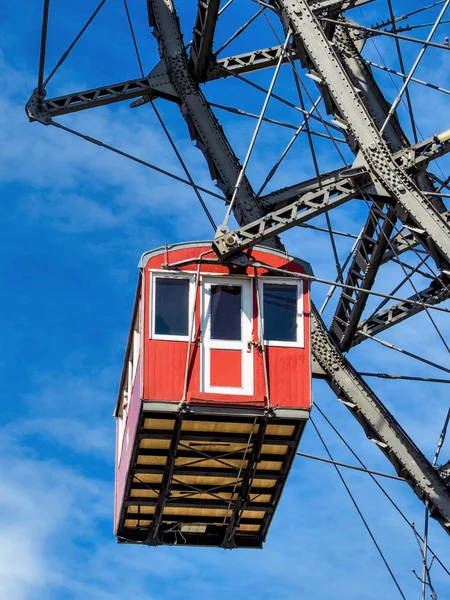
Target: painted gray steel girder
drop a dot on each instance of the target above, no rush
(362, 272)
(414, 159)
(156, 84)
(380, 223)
(379, 425)
(203, 126)
(379, 226)
(202, 37)
(415, 208)
(435, 293)
(307, 206)
(296, 204)
(348, 49)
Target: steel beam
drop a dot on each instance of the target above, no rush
(379, 226)
(202, 37)
(379, 425)
(202, 123)
(413, 206)
(348, 49)
(156, 84)
(362, 272)
(435, 293)
(309, 205)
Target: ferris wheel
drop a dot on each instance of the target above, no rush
(334, 135)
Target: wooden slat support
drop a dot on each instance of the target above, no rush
(244, 494)
(153, 538)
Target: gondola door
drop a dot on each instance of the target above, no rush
(227, 351)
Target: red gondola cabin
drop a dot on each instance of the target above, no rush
(214, 396)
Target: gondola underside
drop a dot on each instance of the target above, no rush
(207, 476)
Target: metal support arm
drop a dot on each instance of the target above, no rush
(202, 37)
(309, 205)
(379, 425)
(435, 293)
(203, 125)
(413, 205)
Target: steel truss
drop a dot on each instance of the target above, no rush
(389, 175)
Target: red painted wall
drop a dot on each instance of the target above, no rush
(289, 368)
(127, 449)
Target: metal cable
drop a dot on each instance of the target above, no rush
(405, 352)
(255, 133)
(135, 159)
(407, 275)
(130, 25)
(426, 570)
(407, 15)
(239, 31)
(402, 67)
(415, 65)
(279, 98)
(404, 377)
(349, 287)
(43, 48)
(355, 504)
(163, 125)
(75, 40)
(385, 33)
(419, 81)
(378, 484)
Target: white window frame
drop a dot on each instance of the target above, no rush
(300, 342)
(247, 388)
(191, 300)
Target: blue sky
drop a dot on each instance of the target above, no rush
(75, 221)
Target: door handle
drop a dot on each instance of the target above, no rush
(256, 344)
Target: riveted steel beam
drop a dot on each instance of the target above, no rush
(203, 126)
(156, 84)
(202, 37)
(435, 293)
(379, 425)
(319, 55)
(362, 272)
(309, 205)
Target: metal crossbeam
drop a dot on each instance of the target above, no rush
(202, 37)
(156, 84)
(309, 205)
(379, 425)
(435, 293)
(413, 205)
(362, 272)
(203, 125)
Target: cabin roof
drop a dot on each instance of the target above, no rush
(179, 246)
